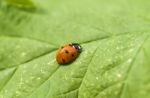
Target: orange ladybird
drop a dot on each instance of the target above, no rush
(68, 53)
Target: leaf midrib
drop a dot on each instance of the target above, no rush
(55, 50)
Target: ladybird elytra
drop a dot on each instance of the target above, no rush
(68, 53)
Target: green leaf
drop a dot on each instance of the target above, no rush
(20, 2)
(115, 37)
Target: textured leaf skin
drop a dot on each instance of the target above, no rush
(114, 34)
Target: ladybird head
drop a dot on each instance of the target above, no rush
(77, 46)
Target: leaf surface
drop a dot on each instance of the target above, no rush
(115, 37)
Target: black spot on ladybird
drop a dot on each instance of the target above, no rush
(72, 55)
(66, 51)
(63, 60)
(70, 45)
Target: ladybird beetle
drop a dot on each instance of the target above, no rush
(67, 53)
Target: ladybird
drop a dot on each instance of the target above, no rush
(68, 53)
